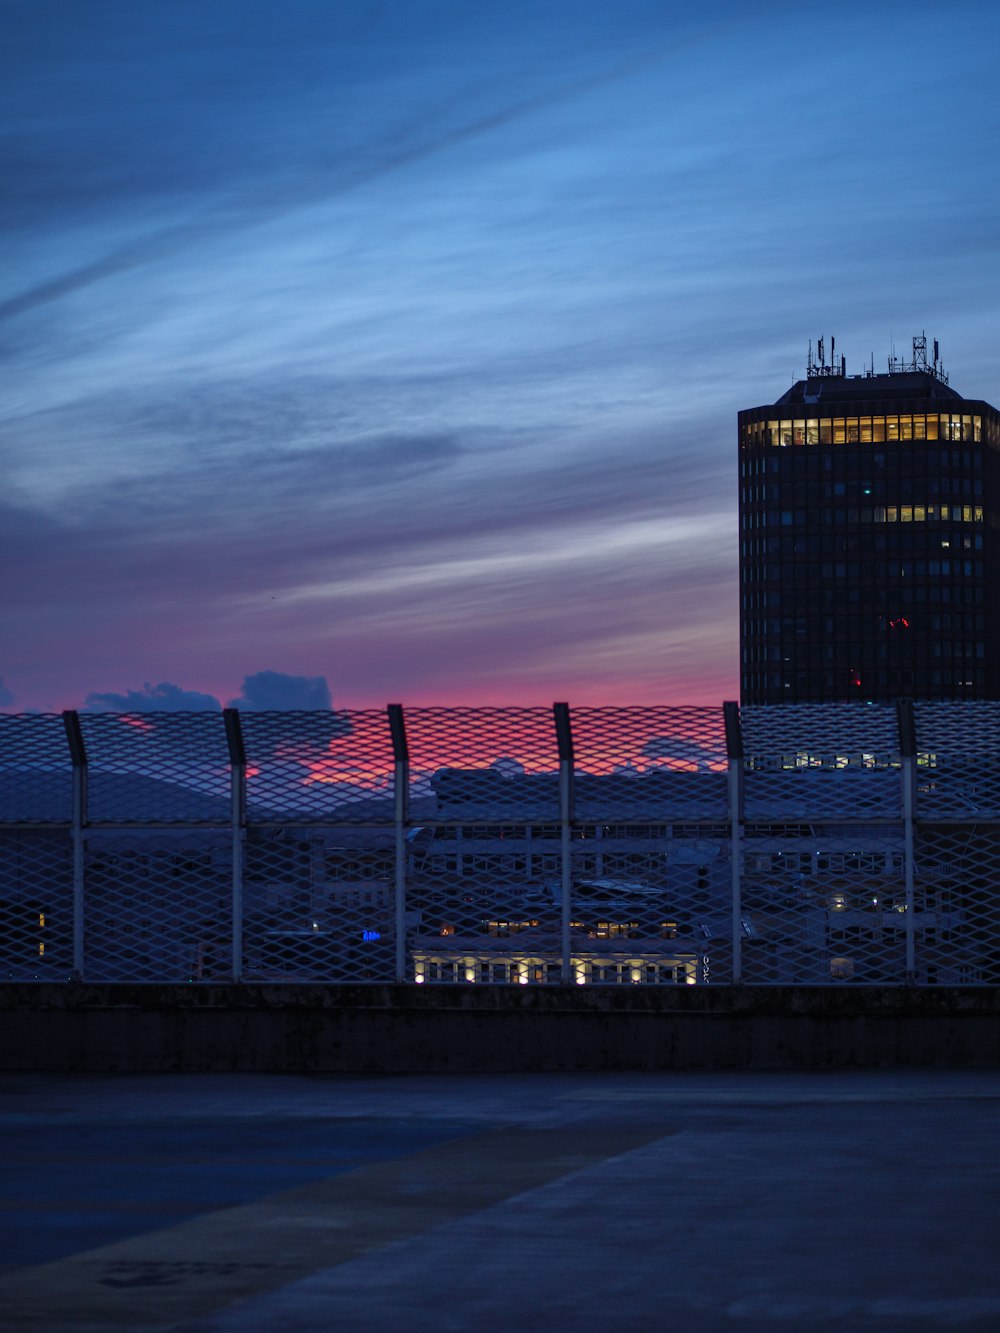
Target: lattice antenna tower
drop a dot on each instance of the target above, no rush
(919, 363)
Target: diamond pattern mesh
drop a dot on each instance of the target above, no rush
(158, 906)
(798, 766)
(957, 904)
(822, 875)
(823, 903)
(483, 856)
(36, 905)
(828, 732)
(649, 907)
(822, 793)
(318, 905)
(650, 763)
(821, 857)
(162, 768)
(483, 763)
(483, 900)
(650, 854)
(36, 782)
(334, 767)
(958, 760)
(956, 920)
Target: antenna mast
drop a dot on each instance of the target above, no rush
(918, 363)
(818, 365)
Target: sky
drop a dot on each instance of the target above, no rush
(371, 350)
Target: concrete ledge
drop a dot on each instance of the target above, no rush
(382, 1029)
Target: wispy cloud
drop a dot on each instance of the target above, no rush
(401, 345)
(403, 145)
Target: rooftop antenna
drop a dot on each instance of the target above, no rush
(918, 363)
(819, 365)
(937, 369)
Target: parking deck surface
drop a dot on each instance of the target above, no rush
(578, 1201)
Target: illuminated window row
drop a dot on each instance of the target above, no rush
(923, 513)
(789, 518)
(863, 430)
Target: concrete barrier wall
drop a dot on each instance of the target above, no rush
(492, 1028)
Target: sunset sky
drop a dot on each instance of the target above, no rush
(399, 344)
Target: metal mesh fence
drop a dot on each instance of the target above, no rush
(156, 768)
(333, 767)
(598, 846)
(318, 904)
(482, 763)
(35, 778)
(158, 906)
(36, 904)
(800, 764)
(481, 872)
(957, 904)
(823, 903)
(823, 892)
(831, 734)
(958, 764)
(957, 841)
(650, 852)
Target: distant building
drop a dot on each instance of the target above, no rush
(870, 538)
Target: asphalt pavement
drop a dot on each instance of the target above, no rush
(736, 1201)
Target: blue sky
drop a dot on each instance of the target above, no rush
(401, 344)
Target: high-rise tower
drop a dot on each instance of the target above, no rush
(870, 537)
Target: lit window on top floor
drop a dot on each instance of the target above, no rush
(864, 430)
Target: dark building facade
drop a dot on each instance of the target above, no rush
(870, 538)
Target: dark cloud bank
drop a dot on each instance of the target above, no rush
(265, 691)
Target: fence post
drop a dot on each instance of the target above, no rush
(401, 787)
(78, 758)
(564, 741)
(734, 783)
(238, 812)
(907, 729)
